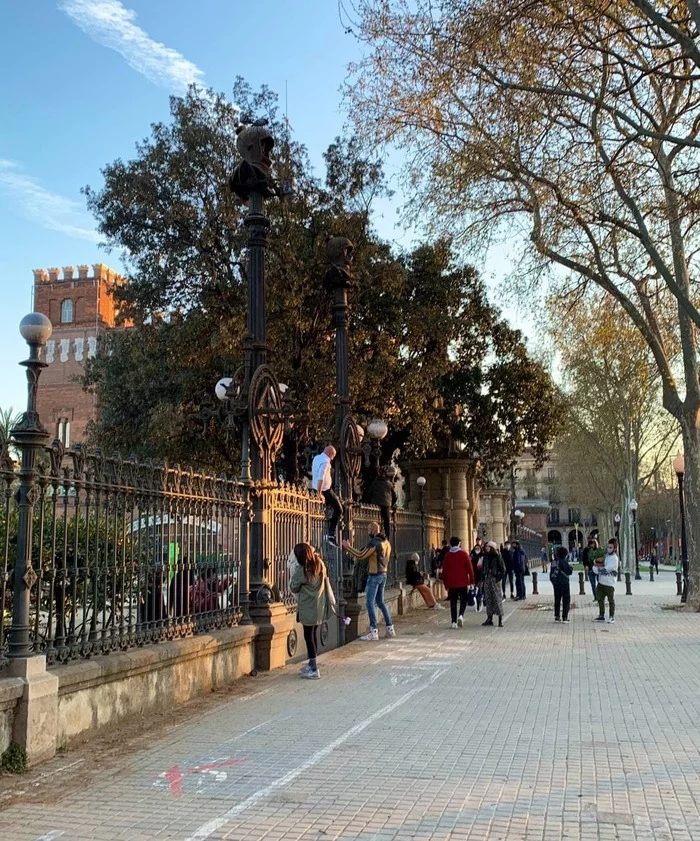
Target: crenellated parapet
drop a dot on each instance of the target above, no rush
(97, 273)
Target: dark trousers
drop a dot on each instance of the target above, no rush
(593, 578)
(461, 594)
(606, 592)
(507, 576)
(386, 521)
(337, 509)
(562, 599)
(310, 640)
(520, 585)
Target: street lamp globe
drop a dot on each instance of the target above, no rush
(420, 481)
(519, 514)
(679, 464)
(617, 519)
(633, 505)
(222, 387)
(377, 429)
(35, 329)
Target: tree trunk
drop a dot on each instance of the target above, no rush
(691, 489)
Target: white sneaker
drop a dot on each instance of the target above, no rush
(460, 621)
(611, 621)
(438, 606)
(305, 669)
(390, 632)
(371, 636)
(454, 625)
(315, 674)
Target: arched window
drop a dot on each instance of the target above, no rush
(67, 311)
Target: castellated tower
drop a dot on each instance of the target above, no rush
(82, 310)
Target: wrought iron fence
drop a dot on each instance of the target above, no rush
(296, 516)
(126, 553)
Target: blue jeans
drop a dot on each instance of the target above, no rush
(593, 578)
(375, 594)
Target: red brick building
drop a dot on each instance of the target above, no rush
(82, 310)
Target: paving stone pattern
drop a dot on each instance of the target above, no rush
(537, 731)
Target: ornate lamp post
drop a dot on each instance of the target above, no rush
(679, 470)
(30, 437)
(616, 520)
(420, 481)
(254, 395)
(519, 517)
(633, 508)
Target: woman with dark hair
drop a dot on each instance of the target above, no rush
(314, 600)
(416, 579)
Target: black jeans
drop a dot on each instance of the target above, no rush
(310, 640)
(562, 599)
(334, 502)
(507, 576)
(386, 521)
(520, 585)
(461, 594)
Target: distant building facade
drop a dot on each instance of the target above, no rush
(537, 495)
(82, 309)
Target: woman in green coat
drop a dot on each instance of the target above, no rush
(310, 583)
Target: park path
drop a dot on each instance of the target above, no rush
(536, 731)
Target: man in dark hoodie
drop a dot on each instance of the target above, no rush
(382, 493)
(507, 555)
(559, 573)
(519, 564)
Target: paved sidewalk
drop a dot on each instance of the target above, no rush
(534, 731)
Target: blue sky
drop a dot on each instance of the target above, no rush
(88, 77)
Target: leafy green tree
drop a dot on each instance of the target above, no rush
(421, 331)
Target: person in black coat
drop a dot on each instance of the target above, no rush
(507, 555)
(519, 566)
(382, 493)
(559, 573)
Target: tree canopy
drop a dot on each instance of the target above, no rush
(423, 338)
(574, 123)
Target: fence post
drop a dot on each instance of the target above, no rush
(35, 725)
(535, 591)
(581, 588)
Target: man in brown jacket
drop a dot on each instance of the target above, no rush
(377, 553)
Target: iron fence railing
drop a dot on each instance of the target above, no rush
(296, 516)
(126, 553)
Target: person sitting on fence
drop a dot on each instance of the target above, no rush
(204, 593)
(416, 579)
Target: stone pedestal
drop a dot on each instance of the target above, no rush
(273, 625)
(36, 720)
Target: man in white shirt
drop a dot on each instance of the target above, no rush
(322, 484)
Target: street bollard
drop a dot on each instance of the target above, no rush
(628, 583)
(535, 591)
(581, 588)
(679, 584)
(651, 572)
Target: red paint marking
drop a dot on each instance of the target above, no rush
(174, 777)
(211, 766)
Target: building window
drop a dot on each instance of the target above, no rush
(574, 515)
(63, 431)
(553, 517)
(551, 474)
(67, 311)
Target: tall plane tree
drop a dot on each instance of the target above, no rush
(575, 123)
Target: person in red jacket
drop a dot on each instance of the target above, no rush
(458, 577)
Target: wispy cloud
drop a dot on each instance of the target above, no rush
(53, 211)
(111, 24)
